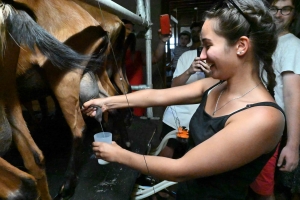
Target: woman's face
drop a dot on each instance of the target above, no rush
(216, 52)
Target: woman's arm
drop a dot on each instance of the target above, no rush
(187, 94)
(246, 136)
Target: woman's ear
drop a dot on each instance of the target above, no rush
(242, 45)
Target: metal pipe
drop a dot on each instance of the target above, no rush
(120, 11)
(140, 9)
(143, 19)
(139, 87)
(148, 37)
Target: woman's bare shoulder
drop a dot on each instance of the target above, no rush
(264, 121)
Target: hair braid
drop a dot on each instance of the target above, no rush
(263, 27)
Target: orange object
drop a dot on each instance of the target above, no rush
(165, 24)
(183, 133)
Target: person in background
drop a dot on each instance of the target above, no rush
(287, 95)
(135, 60)
(184, 40)
(237, 126)
(195, 30)
(176, 116)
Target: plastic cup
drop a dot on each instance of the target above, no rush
(103, 137)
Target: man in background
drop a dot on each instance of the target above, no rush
(287, 95)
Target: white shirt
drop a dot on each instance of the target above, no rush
(285, 58)
(184, 113)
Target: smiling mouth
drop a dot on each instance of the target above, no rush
(277, 21)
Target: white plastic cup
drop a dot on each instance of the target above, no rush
(103, 137)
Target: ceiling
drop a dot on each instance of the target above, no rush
(187, 11)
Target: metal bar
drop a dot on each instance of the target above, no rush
(148, 37)
(174, 19)
(144, 19)
(140, 9)
(120, 11)
(139, 87)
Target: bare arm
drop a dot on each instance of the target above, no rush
(160, 49)
(205, 159)
(291, 97)
(187, 94)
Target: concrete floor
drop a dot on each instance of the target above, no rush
(97, 182)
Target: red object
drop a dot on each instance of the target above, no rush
(265, 181)
(134, 72)
(165, 24)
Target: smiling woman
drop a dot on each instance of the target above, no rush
(231, 117)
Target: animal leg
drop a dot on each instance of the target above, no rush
(16, 184)
(5, 131)
(31, 154)
(66, 89)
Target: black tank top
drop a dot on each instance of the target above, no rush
(229, 185)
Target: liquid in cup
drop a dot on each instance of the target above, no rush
(103, 137)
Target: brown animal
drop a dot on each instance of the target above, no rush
(71, 24)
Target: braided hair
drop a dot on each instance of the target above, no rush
(254, 21)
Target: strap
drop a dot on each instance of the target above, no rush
(212, 87)
(272, 104)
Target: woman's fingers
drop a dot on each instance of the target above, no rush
(90, 103)
(89, 111)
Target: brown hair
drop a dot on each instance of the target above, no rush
(256, 23)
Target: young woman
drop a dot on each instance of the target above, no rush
(237, 126)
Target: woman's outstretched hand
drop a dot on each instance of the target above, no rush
(89, 108)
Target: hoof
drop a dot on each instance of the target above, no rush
(62, 194)
(67, 190)
(27, 191)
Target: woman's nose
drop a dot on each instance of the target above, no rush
(203, 55)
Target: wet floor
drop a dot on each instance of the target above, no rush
(112, 181)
